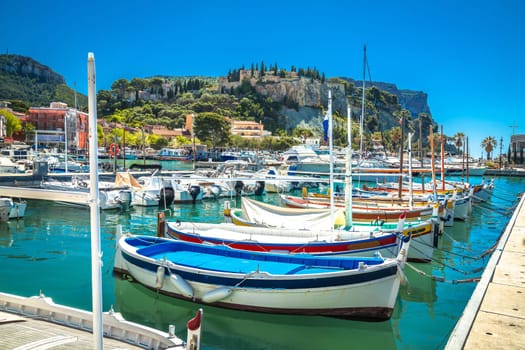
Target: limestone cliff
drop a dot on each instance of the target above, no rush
(26, 66)
(306, 99)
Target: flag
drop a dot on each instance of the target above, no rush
(325, 127)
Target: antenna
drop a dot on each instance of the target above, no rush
(513, 126)
(75, 90)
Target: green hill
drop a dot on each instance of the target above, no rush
(24, 79)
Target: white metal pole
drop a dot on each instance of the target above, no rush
(331, 145)
(96, 254)
(362, 119)
(348, 175)
(65, 138)
(411, 193)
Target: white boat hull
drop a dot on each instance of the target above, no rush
(380, 294)
(365, 292)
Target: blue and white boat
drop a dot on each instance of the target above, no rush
(345, 287)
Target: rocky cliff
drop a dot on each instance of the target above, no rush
(28, 67)
(24, 79)
(306, 98)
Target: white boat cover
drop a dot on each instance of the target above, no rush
(274, 216)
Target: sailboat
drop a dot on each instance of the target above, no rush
(349, 238)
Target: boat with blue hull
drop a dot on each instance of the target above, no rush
(345, 287)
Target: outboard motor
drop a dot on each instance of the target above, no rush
(125, 197)
(259, 188)
(239, 185)
(167, 196)
(194, 192)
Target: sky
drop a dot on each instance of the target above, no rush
(468, 56)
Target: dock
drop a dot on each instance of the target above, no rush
(494, 317)
(38, 323)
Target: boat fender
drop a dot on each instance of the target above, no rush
(181, 285)
(227, 208)
(217, 294)
(159, 279)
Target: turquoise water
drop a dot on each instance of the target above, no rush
(49, 250)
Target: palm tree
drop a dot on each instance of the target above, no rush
(488, 144)
(458, 140)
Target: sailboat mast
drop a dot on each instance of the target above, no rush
(433, 161)
(410, 193)
(348, 175)
(331, 145)
(442, 159)
(361, 121)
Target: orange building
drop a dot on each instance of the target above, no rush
(50, 126)
(247, 128)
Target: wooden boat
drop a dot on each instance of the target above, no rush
(345, 287)
(366, 240)
(366, 210)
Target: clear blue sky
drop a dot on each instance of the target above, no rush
(467, 55)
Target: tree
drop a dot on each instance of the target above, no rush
(12, 123)
(121, 86)
(213, 129)
(458, 140)
(488, 144)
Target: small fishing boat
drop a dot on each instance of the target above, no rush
(346, 287)
(366, 240)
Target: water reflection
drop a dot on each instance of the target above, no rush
(230, 329)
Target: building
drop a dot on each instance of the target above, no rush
(517, 149)
(18, 136)
(59, 124)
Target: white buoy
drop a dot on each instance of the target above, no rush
(182, 286)
(217, 294)
(159, 280)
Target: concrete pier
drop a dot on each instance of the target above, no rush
(494, 317)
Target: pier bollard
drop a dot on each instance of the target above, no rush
(161, 224)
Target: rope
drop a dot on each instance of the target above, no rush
(442, 279)
(445, 234)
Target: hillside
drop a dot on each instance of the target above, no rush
(286, 102)
(24, 79)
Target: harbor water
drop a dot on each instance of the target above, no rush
(49, 251)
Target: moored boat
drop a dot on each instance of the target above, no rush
(5, 208)
(353, 288)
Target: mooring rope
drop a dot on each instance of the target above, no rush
(442, 279)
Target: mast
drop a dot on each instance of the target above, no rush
(348, 174)
(442, 159)
(96, 253)
(433, 162)
(361, 121)
(331, 146)
(468, 160)
(410, 193)
(401, 160)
